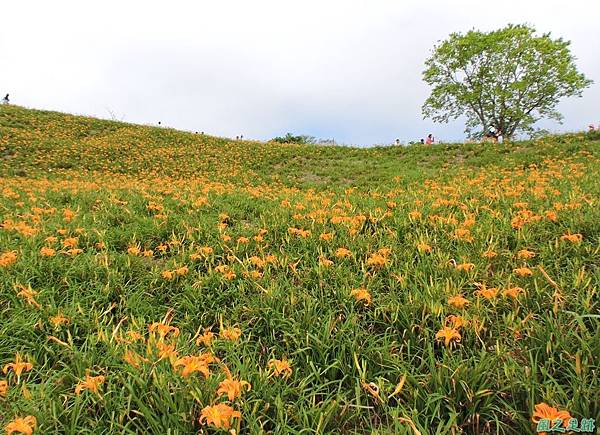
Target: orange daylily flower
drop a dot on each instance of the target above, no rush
(163, 329)
(384, 252)
(220, 416)
(376, 260)
(524, 254)
(232, 388)
(573, 238)
(181, 271)
(424, 248)
(254, 274)
(8, 258)
(523, 271)
(90, 383)
(166, 351)
(325, 262)
(229, 275)
(70, 242)
(205, 250)
(134, 336)
(544, 411)
(231, 333)
(465, 266)
(167, 274)
(193, 364)
(24, 229)
(271, 259)
(134, 250)
(68, 215)
(337, 220)
(456, 322)
(463, 234)
(280, 367)
(299, 232)
(361, 294)
(222, 268)
(448, 335)
(28, 294)
(18, 366)
(326, 236)
(415, 214)
(343, 253)
(513, 292)
(133, 358)
(206, 338)
(3, 389)
(458, 301)
(258, 238)
(25, 425)
(488, 293)
(47, 252)
(58, 320)
(257, 261)
(489, 254)
(551, 215)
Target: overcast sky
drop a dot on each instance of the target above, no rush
(349, 70)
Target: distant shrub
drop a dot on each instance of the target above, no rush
(290, 138)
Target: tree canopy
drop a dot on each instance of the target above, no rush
(504, 80)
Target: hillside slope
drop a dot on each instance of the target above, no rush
(39, 143)
(156, 281)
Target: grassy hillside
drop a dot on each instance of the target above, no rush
(156, 281)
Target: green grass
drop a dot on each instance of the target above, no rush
(137, 186)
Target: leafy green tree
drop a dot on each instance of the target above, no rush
(507, 79)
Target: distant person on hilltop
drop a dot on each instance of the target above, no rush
(422, 141)
(5, 100)
(430, 139)
(491, 135)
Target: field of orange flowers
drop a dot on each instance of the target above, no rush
(156, 281)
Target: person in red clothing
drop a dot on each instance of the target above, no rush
(430, 139)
